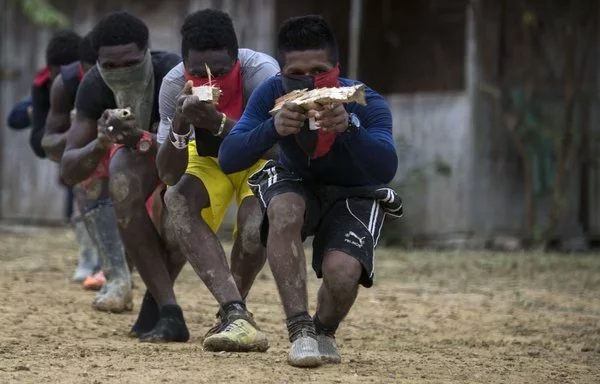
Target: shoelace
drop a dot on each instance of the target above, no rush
(231, 327)
(301, 328)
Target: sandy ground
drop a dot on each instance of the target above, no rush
(431, 318)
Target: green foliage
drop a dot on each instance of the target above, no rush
(44, 14)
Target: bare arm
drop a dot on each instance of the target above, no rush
(58, 121)
(83, 150)
(170, 161)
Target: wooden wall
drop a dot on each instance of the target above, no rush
(29, 187)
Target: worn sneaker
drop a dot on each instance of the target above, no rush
(236, 332)
(328, 349)
(304, 352)
(220, 325)
(114, 297)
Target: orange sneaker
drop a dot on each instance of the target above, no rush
(94, 282)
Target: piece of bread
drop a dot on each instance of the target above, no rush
(207, 93)
(323, 96)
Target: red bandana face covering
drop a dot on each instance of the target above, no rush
(324, 140)
(42, 77)
(231, 100)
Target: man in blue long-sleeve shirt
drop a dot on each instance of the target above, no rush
(329, 182)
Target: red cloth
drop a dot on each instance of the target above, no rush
(149, 200)
(231, 101)
(81, 72)
(325, 140)
(42, 77)
(101, 172)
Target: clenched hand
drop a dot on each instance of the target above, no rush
(200, 114)
(290, 119)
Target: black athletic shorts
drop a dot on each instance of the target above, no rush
(347, 219)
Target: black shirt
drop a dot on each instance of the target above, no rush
(70, 74)
(94, 96)
(40, 103)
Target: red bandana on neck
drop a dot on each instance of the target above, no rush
(231, 100)
(42, 77)
(81, 72)
(325, 140)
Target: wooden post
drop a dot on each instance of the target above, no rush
(356, 7)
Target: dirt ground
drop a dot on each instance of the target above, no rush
(460, 317)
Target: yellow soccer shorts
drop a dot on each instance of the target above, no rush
(220, 186)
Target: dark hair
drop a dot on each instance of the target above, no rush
(62, 48)
(87, 54)
(306, 33)
(119, 28)
(208, 29)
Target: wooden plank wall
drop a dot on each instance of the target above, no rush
(29, 187)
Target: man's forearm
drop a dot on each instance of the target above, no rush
(170, 161)
(241, 149)
(77, 164)
(54, 145)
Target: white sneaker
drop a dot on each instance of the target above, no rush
(304, 352)
(328, 349)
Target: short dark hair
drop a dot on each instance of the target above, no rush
(87, 54)
(119, 28)
(62, 48)
(208, 29)
(305, 33)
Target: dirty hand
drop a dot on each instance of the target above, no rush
(104, 139)
(122, 131)
(201, 114)
(191, 110)
(290, 119)
(331, 118)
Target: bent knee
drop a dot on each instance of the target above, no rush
(124, 185)
(286, 212)
(187, 196)
(249, 235)
(174, 199)
(122, 188)
(341, 269)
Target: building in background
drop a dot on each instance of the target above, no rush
(445, 67)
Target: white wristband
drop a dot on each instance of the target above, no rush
(179, 141)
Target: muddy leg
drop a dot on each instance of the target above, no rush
(341, 275)
(248, 256)
(149, 311)
(202, 249)
(89, 260)
(199, 244)
(288, 264)
(101, 222)
(285, 252)
(133, 178)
